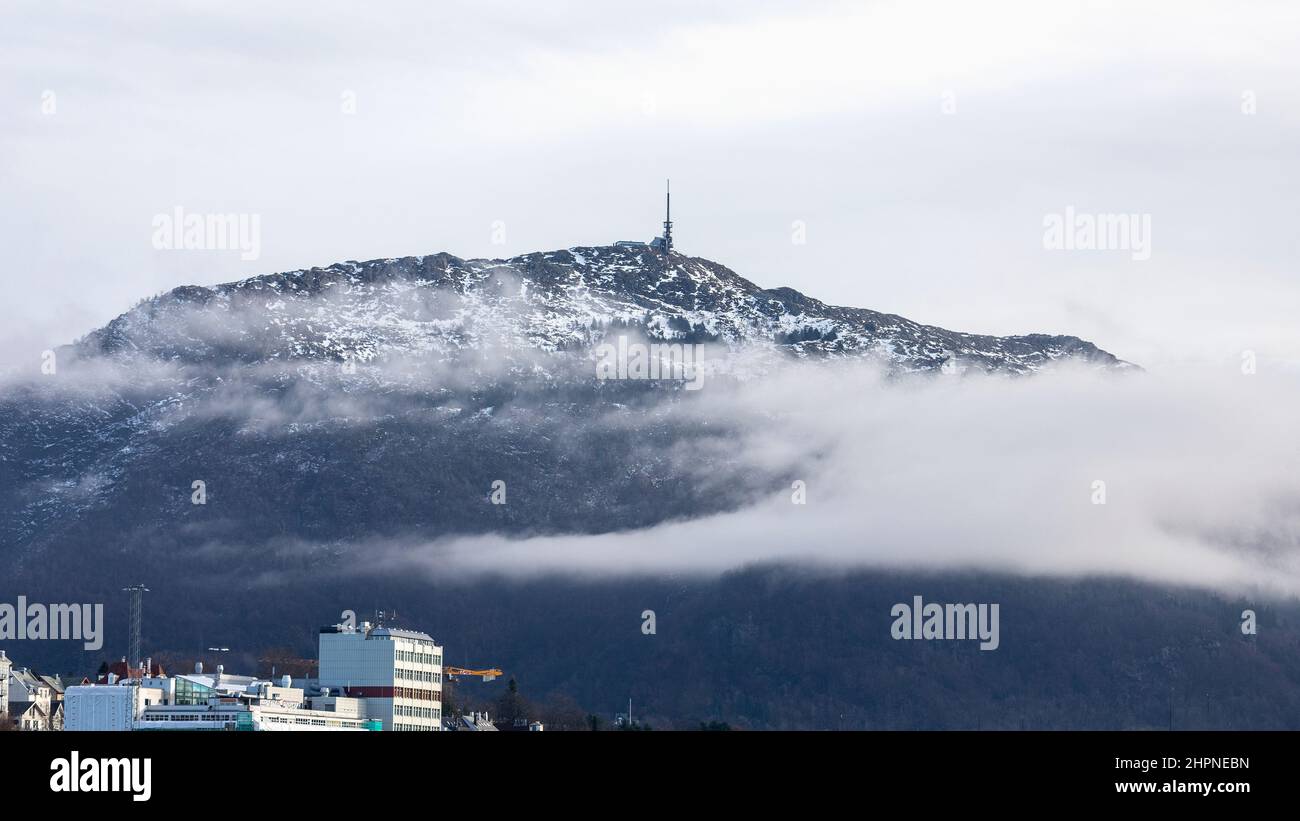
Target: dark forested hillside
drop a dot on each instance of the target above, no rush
(778, 647)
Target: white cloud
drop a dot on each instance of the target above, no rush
(981, 473)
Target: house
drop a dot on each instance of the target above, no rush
(29, 716)
(24, 686)
(57, 685)
(31, 701)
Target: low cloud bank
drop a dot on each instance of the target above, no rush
(1184, 478)
(968, 472)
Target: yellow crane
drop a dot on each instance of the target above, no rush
(486, 675)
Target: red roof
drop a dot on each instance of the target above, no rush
(123, 670)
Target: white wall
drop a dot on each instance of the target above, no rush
(87, 707)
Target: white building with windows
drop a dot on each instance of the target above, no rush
(397, 672)
(209, 702)
(107, 707)
(236, 714)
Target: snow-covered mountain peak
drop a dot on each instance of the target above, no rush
(548, 302)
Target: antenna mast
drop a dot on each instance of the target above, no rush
(668, 218)
(137, 592)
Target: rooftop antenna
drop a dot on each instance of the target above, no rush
(668, 217)
(137, 592)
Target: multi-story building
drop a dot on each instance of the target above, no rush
(205, 702)
(265, 714)
(370, 678)
(397, 672)
(107, 706)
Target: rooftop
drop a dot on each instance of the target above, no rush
(401, 634)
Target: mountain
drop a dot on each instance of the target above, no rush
(547, 302)
(481, 365)
(315, 475)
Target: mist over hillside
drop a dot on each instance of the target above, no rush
(349, 426)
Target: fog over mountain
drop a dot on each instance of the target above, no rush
(347, 429)
(916, 447)
(981, 473)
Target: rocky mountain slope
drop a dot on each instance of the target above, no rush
(547, 302)
(481, 364)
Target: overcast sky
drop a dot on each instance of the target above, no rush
(921, 145)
